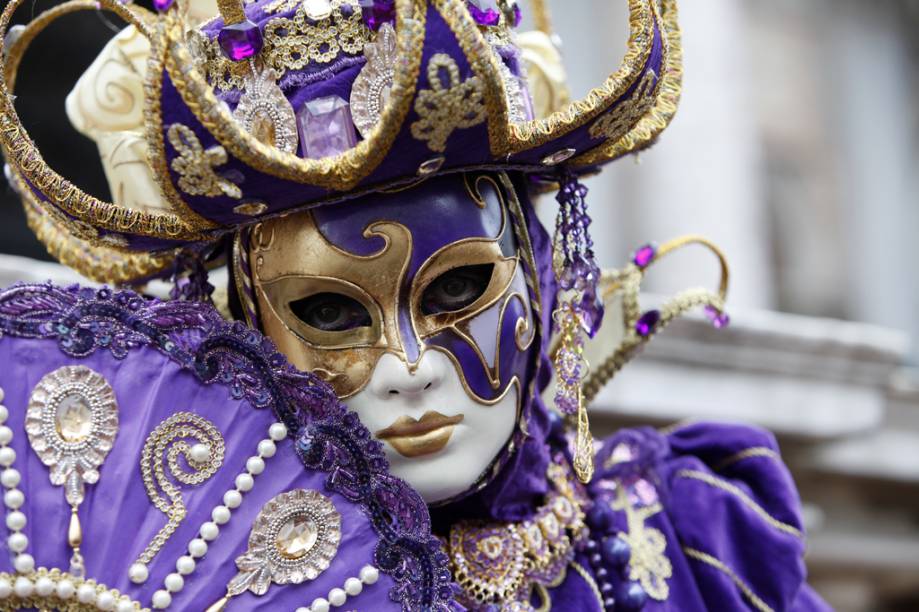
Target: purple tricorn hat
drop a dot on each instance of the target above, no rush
(282, 105)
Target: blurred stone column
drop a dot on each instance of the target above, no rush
(704, 175)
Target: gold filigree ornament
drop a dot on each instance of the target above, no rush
(648, 563)
(72, 421)
(293, 539)
(264, 111)
(373, 84)
(447, 106)
(196, 166)
(199, 443)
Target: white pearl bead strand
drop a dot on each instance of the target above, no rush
(338, 596)
(220, 515)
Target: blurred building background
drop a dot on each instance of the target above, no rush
(796, 148)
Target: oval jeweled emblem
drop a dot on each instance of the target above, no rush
(72, 421)
(293, 539)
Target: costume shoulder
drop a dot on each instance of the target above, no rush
(711, 515)
(155, 455)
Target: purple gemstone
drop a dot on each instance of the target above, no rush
(591, 312)
(647, 322)
(162, 5)
(644, 255)
(719, 319)
(518, 16)
(326, 128)
(377, 12)
(484, 16)
(240, 41)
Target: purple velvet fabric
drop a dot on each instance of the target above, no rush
(722, 525)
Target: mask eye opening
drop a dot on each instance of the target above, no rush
(456, 289)
(331, 312)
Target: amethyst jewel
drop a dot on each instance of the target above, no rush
(163, 5)
(644, 255)
(240, 41)
(326, 128)
(719, 319)
(647, 323)
(377, 12)
(484, 12)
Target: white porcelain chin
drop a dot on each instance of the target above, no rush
(393, 392)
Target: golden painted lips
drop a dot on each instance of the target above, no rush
(414, 438)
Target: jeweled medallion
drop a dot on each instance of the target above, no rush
(72, 421)
(293, 539)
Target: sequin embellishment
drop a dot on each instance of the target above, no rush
(264, 112)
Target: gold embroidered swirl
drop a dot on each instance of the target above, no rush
(447, 106)
(195, 165)
(172, 438)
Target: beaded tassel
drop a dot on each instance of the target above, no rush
(579, 311)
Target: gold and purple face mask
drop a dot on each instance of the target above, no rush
(436, 267)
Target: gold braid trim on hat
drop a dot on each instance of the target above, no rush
(666, 98)
(26, 160)
(93, 258)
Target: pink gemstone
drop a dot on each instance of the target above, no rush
(240, 41)
(647, 322)
(644, 255)
(326, 128)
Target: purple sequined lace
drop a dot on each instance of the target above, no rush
(83, 321)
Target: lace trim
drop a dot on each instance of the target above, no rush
(194, 335)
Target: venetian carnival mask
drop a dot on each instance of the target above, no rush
(414, 305)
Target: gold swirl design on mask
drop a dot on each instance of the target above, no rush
(447, 106)
(163, 446)
(302, 262)
(195, 165)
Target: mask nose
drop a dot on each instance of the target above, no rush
(392, 377)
